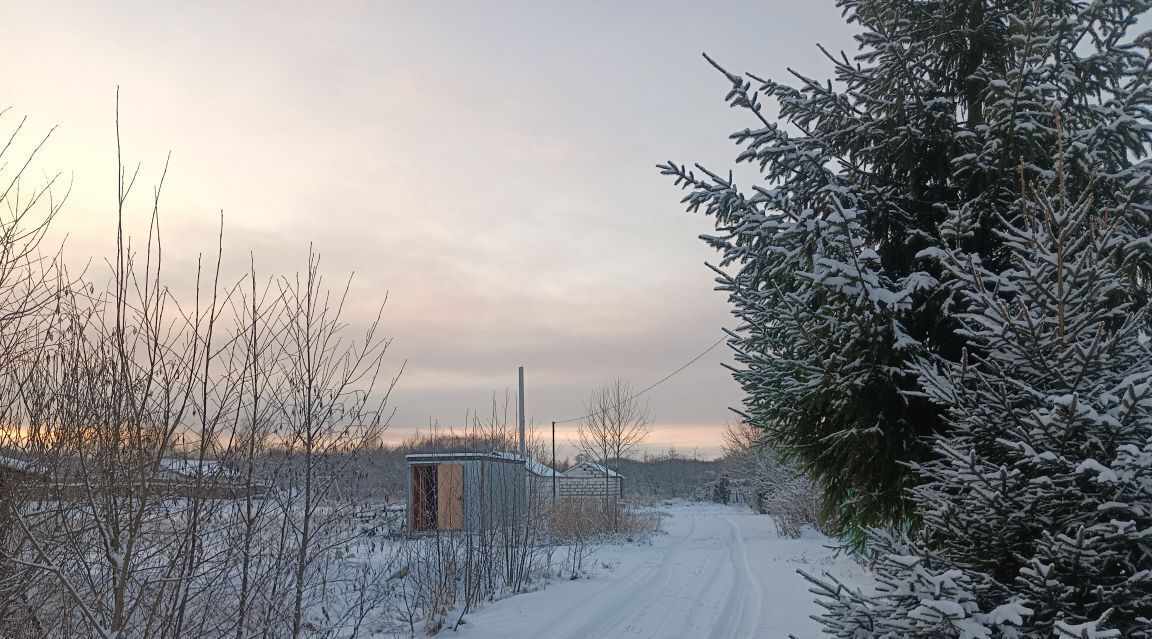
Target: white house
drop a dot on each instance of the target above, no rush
(590, 480)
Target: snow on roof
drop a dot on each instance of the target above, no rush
(17, 464)
(537, 468)
(533, 466)
(473, 455)
(596, 467)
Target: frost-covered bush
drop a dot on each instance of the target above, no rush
(769, 485)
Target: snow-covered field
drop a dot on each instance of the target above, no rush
(716, 571)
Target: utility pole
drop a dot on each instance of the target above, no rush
(523, 447)
(553, 462)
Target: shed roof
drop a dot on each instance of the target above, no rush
(531, 465)
(419, 457)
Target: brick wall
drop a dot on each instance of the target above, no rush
(567, 487)
(589, 487)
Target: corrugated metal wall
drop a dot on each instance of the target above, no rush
(494, 492)
(502, 494)
(473, 507)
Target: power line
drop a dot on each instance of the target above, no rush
(637, 395)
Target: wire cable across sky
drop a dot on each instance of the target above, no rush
(661, 381)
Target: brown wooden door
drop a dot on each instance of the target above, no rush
(450, 497)
(423, 515)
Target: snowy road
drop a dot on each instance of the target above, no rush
(719, 572)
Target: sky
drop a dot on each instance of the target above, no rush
(489, 167)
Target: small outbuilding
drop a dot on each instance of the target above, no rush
(467, 492)
(178, 477)
(18, 476)
(178, 469)
(590, 480)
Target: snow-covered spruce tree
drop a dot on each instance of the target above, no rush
(930, 119)
(1037, 511)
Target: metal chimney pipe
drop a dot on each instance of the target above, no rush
(523, 448)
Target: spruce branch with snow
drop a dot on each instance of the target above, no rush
(1037, 508)
(922, 131)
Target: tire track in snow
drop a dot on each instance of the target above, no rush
(624, 604)
(687, 609)
(701, 589)
(741, 614)
(718, 572)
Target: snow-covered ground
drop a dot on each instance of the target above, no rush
(717, 571)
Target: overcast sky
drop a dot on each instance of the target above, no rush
(487, 165)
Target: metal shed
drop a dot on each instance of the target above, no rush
(466, 492)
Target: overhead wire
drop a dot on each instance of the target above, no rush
(641, 393)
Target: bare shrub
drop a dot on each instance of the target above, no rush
(582, 526)
(173, 465)
(579, 527)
